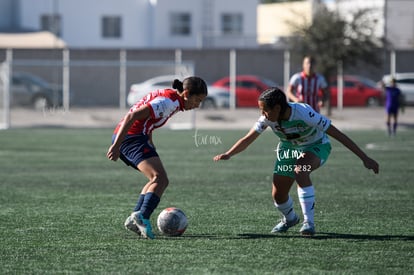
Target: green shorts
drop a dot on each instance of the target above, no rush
(287, 156)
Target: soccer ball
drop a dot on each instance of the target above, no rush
(172, 222)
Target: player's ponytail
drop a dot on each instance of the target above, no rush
(178, 85)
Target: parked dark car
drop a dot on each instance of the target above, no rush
(32, 91)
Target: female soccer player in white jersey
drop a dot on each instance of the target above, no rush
(304, 146)
(132, 143)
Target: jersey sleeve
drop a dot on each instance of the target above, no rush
(323, 83)
(260, 125)
(294, 80)
(313, 118)
(161, 107)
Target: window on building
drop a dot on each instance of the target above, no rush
(111, 27)
(180, 23)
(232, 23)
(51, 23)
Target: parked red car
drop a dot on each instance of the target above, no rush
(248, 88)
(358, 91)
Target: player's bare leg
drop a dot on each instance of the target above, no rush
(284, 203)
(153, 169)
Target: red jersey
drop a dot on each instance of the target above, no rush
(163, 104)
(307, 87)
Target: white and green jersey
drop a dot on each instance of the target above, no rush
(304, 127)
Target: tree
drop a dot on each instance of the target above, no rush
(331, 39)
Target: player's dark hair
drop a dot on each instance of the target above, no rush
(275, 96)
(195, 85)
(178, 85)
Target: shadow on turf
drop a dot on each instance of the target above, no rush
(326, 236)
(318, 236)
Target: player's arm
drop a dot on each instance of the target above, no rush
(326, 93)
(353, 147)
(239, 146)
(139, 114)
(325, 96)
(290, 94)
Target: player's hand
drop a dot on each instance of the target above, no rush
(372, 165)
(113, 153)
(221, 157)
(320, 104)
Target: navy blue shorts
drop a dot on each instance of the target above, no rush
(392, 110)
(136, 148)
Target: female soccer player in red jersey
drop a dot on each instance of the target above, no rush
(304, 86)
(304, 146)
(132, 143)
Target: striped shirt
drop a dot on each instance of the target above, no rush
(163, 104)
(307, 88)
(304, 127)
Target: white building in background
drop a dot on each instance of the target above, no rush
(191, 23)
(137, 23)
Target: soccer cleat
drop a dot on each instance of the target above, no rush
(144, 225)
(284, 225)
(130, 225)
(307, 229)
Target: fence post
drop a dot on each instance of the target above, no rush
(66, 79)
(233, 66)
(286, 70)
(6, 75)
(122, 78)
(178, 59)
(340, 81)
(392, 63)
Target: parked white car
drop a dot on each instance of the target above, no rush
(405, 81)
(217, 97)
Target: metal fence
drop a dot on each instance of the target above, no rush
(99, 78)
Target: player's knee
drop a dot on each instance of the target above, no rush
(161, 179)
(301, 177)
(279, 196)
